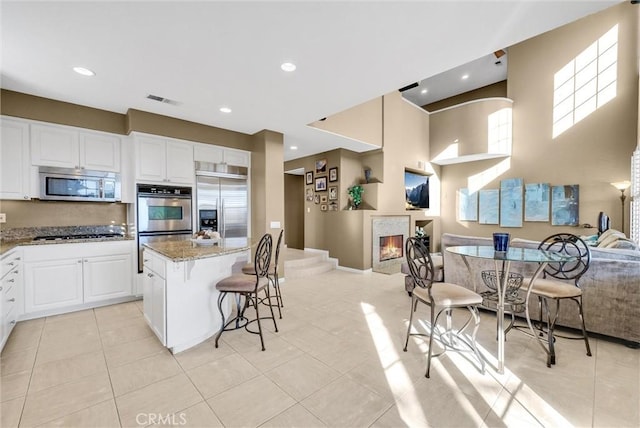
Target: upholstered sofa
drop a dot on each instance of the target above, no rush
(611, 286)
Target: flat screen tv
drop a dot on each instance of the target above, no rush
(416, 189)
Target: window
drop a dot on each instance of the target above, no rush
(586, 83)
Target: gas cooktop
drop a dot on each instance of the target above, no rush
(79, 236)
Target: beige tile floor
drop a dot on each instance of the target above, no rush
(336, 361)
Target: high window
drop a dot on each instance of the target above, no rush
(586, 83)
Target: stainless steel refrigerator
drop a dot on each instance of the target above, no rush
(222, 199)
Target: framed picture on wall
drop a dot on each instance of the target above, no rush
(321, 166)
(323, 199)
(333, 174)
(309, 194)
(333, 193)
(308, 178)
(321, 184)
(323, 207)
(316, 199)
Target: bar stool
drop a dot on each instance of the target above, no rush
(249, 269)
(248, 287)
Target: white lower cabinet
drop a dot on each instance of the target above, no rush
(10, 292)
(154, 295)
(106, 277)
(59, 276)
(53, 284)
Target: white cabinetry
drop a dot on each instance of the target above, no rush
(14, 160)
(216, 154)
(53, 284)
(10, 292)
(163, 160)
(60, 276)
(68, 147)
(106, 277)
(154, 294)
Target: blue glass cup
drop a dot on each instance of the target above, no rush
(501, 242)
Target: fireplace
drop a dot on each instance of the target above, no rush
(388, 234)
(391, 247)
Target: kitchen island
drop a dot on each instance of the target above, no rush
(179, 288)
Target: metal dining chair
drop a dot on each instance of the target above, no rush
(248, 287)
(561, 281)
(439, 297)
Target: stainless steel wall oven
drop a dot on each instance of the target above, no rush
(164, 214)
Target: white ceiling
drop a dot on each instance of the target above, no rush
(211, 54)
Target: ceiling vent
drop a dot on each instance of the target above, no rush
(162, 100)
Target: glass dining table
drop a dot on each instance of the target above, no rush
(502, 266)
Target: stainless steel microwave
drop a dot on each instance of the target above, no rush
(68, 184)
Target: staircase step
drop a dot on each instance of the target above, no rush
(304, 263)
(308, 270)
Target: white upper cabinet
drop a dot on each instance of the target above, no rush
(237, 157)
(14, 160)
(216, 154)
(67, 147)
(208, 153)
(162, 160)
(100, 152)
(54, 146)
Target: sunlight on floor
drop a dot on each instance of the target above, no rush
(395, 372)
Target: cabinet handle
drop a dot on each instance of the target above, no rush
(26, 197)
(79, 261)
(13, 299)
(11, 264)
(150, 275)
(13, 322)
(86, 261)
(10, 280)
(0, 288)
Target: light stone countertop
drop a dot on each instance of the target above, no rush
(179, 251)
(8, 245)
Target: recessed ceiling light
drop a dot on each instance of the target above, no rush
(424, 91)
(84, 71)
(465, 76)
(288, 66)
(294, 147)
(225, 109)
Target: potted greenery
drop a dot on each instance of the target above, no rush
(355, 193)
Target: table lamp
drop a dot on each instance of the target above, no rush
(622, 186)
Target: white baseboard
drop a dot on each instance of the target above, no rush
(352, 270)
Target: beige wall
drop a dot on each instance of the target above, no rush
(463, 129)
(267, 183)
(349, 123)
(156, 124)
(56, 214)
(592, 154)
(47, 110)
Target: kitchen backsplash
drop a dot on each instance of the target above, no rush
(35, 213)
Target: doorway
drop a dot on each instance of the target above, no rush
(294, 209)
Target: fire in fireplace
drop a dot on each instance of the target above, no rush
(391, 247)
